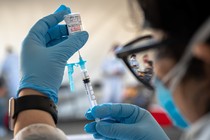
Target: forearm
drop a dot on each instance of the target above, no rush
(43, 61)
(32, 116)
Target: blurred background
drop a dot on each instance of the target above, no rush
(110, 24)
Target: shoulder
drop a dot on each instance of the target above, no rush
(205, 134)
(203, 126)
(199, 130)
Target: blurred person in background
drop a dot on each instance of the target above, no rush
(135, 64)
(181, 42)
(3, 106)
(10, 71)
(113, 72)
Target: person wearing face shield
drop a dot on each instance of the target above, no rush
(181, 77)
(45, 51)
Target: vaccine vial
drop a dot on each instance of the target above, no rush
(73, 22)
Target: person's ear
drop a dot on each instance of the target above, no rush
(202, 51)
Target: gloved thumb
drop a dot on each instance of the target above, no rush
(63, 8)
(117, 130)
(74, 42)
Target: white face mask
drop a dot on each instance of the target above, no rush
(40, 132)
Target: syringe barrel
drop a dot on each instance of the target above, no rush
(88, 88)
(90, 92)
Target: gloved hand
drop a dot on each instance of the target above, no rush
(45, 51)
(126, 122)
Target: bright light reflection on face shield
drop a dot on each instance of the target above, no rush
(40, 132)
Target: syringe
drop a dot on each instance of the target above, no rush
(74, 24)
(87, 84)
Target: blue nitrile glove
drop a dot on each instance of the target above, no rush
(45, 51)
(126, 122)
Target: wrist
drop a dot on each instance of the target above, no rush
(38, 90)
(31, 107)
(25, 92)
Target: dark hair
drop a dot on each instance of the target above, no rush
(178, 18)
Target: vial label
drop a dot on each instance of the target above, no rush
(73, 22)
(75, 28)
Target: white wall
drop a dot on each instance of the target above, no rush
(107, 21)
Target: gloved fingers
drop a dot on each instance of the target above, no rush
(74, 42)
(90, 128)
(61, 8)
(98, 136)
(110, 120)
(116, 111)
(89, 115)
(56, 41)
(43, 25)
(116, 130)
(56, 33)
(108, 139)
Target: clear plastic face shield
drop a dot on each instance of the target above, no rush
(140, 54)
(40, 132)
(178, 72)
